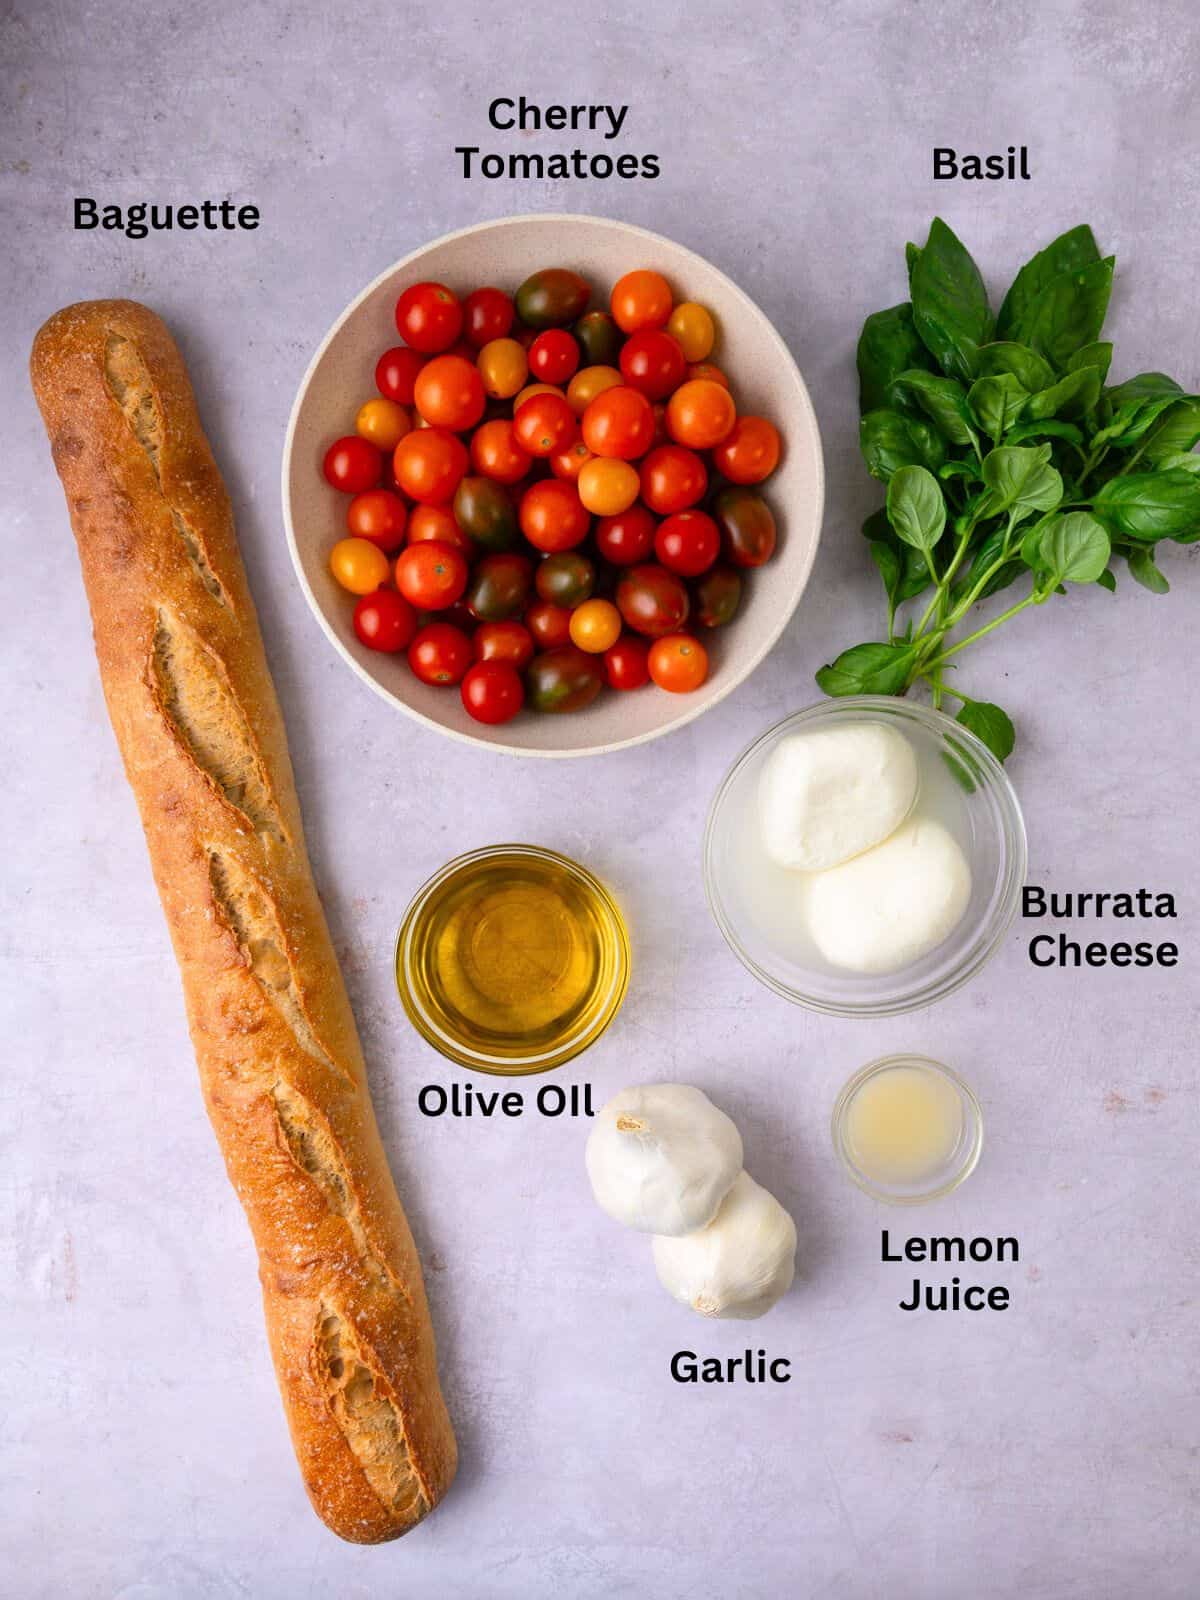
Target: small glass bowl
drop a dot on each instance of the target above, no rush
(961, 1161)
(992, 833)
(493, 1048)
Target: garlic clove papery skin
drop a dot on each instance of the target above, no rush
(661, 1158)
(740, 1264)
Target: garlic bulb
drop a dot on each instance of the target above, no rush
(740, 1264)
(661, 1158)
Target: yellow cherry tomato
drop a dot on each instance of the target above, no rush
(608, 487)
(588, 383)
(693, 329)
(382, 423)
(358, 565)
(595, 626)
(503, 366)
(532, 389)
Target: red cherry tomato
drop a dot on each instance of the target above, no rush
(750, 453)
(544, 425)
(385, 621)
(509, 641)
(688, 543)
(673, 478)
(449, 393)
(429, 464)
(487, 314)
(678, 663)
(440, 523)
(492, 691)
(552, 516)
(380, 516)
(352, 465)
(396, 373)
(619, 422)
(626, 538)
(429, 317)
(652, 601)
(496, 454)
(653, 362)
(553, 356)
(570, 461)
(431, 575)
(439, 653)
(549, 624)
(625, 663)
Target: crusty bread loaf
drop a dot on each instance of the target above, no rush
(203, 743)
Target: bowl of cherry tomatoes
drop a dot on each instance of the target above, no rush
(553, 484)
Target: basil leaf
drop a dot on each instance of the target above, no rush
(1068, 253)
(1030, 370)
(1181, 461)
(1069, 313)
(1152, 505)
(1146, 386)
(1179, 430)
(984, 559)
(1108, 580)
(1021, 480)
(917, 576)
(890, 440)
(958, 469)
(950, 307)
(1071, 396)
(1144, 570)
(916, 508)
(942, 399)
(878, 528)
(887, 346)
(868, 669)
(1093, 355)
(990, 725)
(1073, 549)
(891, 567)
(912, 254)
(996, 403)
(1044, 428)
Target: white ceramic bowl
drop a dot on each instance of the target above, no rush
(765, 380)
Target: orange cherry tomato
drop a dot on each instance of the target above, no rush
(358, 565)
(449, 393)
(672, 479)
(380, 516)
(706, 369)
(509, 641)
(429, 464)
(382, 423)
(552, 516)
(695, 330)
(503, 368)
(700, 414)
(619, 422)
(544, 424)
(641, 299)
(678, 663)
(587, 384)
(595, 626)
(440, 523)
(608, 487)
(496, 454)
(750, 452)
(570, 461)
(431, 575)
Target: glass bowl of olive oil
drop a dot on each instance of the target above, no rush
(512, 959)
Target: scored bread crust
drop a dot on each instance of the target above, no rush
(201, 735)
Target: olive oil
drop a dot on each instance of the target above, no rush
(512, 959)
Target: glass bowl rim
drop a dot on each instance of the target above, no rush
(841, 1106)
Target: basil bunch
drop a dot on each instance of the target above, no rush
(1007, 457)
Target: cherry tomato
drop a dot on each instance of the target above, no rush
(652, 601)
(608, 487)
(509, 641)
(496, 454)
(619, 422)
(627, 538)
(567, 579)
(641, 300)
(458, 616)
(672, 479)
(503, 368)
(544, 425)
(705, 369)
(595, 626)
(449, 393)
(552, 516)
(429, 317)
(429, 464)
(700, 414)
(437, 522)
(431, 575)
(553, 356)
(385, 621)
(380, 516)
(484, 509)
(653, 362)
(549, 624)
(588, 383)
(570, 461)
(599, 338)
(440, 653)
(492, 691)
(352, 465)
(625, 663)
(530, 389)
(564, 679)
(716, 597)
(750, 453)
(688, 543)
(552, 298)
(747, 527)
(396, 373)
(382, 423)
(487, 314)
(695, 330)
(678, 663)
(500, 586)
(358, 565)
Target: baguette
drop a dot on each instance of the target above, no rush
(195, 714)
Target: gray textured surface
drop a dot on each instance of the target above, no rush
(1049, 1451)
